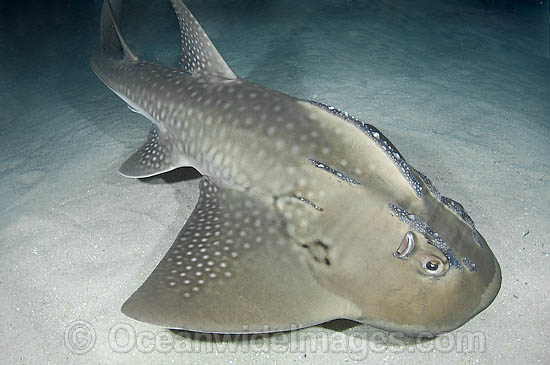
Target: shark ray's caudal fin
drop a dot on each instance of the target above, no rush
(198, 54)
(234, 269)
(111, 38)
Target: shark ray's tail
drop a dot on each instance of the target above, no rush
(111, 40)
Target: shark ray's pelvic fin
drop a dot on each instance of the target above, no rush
(234, 253)
(155, 156)
(198, 54)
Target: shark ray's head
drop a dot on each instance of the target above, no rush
(444, 266)
(420, 268)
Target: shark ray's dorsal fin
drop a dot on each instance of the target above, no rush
(234, 269)
(154, 157)
(198, 54)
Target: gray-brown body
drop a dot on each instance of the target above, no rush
(306, 214)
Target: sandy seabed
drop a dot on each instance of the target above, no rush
(461, 88)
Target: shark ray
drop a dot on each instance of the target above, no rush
(306, 214)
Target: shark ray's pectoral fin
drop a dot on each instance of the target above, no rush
(233, 269)
(155, 156)
(198, 54)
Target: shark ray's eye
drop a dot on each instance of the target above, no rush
(433, 265)
(406, 246)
